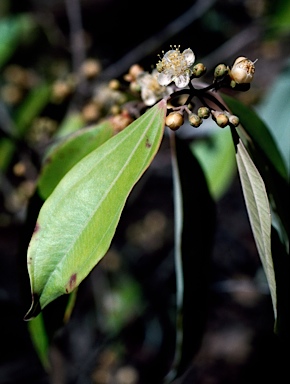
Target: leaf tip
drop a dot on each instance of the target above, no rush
(35, 308)
(162, 103)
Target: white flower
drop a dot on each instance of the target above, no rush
(151, 90)
(176, 66)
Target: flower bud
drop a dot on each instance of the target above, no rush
(242, 71)
(198, 70)
(174, 120)
(91, 68)
(203, 112)
(134, 71)
(234, 120)
(220, 118)
(220, 70)
(114, 84)
(194, 120)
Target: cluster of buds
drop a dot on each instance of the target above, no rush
(172, 78)
(175, 119)
(241, 73)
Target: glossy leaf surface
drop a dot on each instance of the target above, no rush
(77, 222)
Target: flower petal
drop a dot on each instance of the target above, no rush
(189, 56)
(182, 80)
(165, 78)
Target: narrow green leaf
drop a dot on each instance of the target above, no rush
(259, 212)
(7, 148)
(31, 107)
(77, 222)
(259, 132)
(194, 216)
(39, 338)
(68, 152)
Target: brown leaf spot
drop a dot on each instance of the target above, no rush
(148, 144)
(36, 228)
(72, 283)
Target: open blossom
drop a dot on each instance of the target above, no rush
(151, 90)
(176, 66)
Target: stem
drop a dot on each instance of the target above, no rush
(178, 220)
(201, 94)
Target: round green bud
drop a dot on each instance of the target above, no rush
(198, 70)
(203, 112)
(174, 120)
(194, 120)
(220, 70)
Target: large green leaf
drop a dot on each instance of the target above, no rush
(68, 152)
(259, 214)
(77, 222)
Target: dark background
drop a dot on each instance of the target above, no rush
(235, 342)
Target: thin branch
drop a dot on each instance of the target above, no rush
(77, 42)
(155, 42)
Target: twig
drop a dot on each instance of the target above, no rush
(154, 42)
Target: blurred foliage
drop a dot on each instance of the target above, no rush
(50, 107)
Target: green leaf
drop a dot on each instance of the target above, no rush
(7, 148)
(273, 110)
(259, 132)
(76, 224)
(194, 216)
(268, 159)
(31, 107)
(71, 123)
(13, 30)
(68, 152)
(125, 302)
(39, 338)
(216, 155)
(280, 17)
(259, 212)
